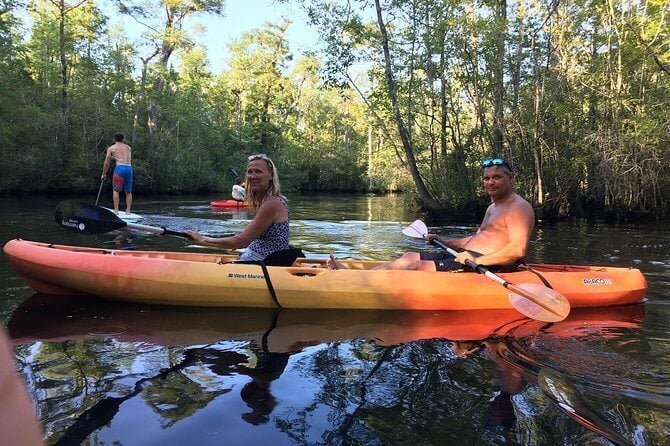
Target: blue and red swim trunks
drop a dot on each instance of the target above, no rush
(123, 178)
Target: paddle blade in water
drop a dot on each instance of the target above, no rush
(417, 229)
(539, 302)
(86, 218)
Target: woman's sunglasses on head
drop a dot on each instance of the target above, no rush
(260, 156)
(264, 157)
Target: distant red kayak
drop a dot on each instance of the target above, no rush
(229, 204)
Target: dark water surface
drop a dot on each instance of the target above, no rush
(102, 373)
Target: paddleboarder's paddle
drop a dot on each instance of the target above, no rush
(99, 190)
(530, 299)
(88, 218)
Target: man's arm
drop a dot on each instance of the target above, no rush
(459, 243)
(105, 165)
(455, 243)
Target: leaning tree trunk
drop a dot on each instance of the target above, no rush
(426, 198)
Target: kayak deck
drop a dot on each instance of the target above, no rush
(201, 279)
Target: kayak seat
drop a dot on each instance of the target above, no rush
(284, 257)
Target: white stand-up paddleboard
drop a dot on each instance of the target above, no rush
(128, 218)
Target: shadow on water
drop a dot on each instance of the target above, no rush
(196, 359)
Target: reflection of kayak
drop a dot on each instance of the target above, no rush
(128, 218)
(40, 318)
(229, 204)
(211, 280)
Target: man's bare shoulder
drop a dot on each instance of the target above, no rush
(522, 211)
(521, 203)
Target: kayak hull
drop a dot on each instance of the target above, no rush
(197, 279)
(229, 204)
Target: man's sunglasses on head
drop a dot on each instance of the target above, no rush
(496, 162)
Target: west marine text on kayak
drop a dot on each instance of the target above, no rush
(245, 276)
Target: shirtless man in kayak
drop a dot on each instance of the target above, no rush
(501, 240)
(123, 172)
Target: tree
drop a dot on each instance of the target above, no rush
(169, 36)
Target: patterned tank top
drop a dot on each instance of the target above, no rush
(273, 239)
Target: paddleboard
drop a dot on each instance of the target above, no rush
(128, 218)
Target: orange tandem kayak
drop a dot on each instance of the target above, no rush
(198, 279)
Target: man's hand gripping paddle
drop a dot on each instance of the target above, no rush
(531, 299)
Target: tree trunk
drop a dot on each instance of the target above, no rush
(426, 198)
(143, 91)
(166, 50)
(65, 152)
(498, 74)
(537, 119)
(471, 52)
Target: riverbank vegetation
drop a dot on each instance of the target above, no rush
(405, 96)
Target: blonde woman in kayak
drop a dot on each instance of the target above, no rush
(268, 231)
(501, 240)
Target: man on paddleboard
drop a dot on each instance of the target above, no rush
(123, 172)
(501, 240)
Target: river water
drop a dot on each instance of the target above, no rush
(102, 373)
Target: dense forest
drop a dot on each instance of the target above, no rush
(405, 95)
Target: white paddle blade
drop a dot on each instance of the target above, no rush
(417, 229)
(539, 302)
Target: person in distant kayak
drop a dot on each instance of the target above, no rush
(238, 190)
(123, 171)
(501, 240)
(268, 231)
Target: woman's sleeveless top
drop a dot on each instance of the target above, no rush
(273, 239)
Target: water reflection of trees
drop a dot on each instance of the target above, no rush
(187, 381)
(391, 395)
(414, 392)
